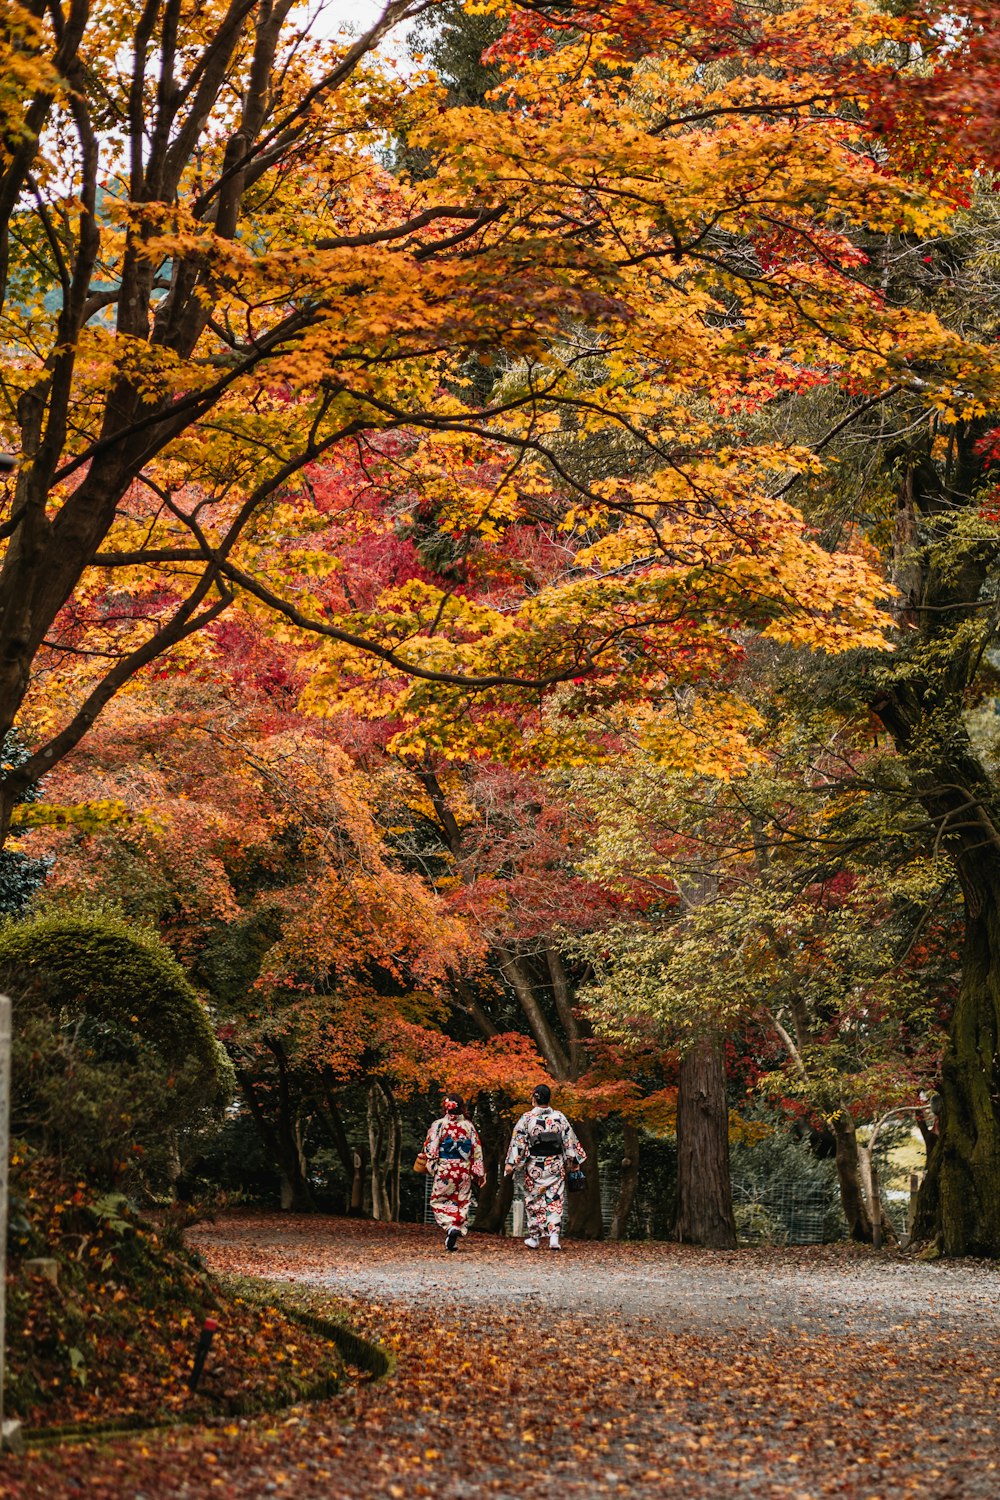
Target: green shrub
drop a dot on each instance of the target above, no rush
(116, 1064)
(96, 966)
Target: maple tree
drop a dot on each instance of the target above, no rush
(210, 337)
(254, 843)
(342, 995)
(926, 486)
(935, 468)
(513, 847)
(341, 966)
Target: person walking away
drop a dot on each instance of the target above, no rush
(542, 1143)
(455, 1157)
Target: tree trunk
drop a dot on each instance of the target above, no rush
(395, 1153)
(357, 1207)
(333, 1120)
(704, 1191)
(494, 1137)
(959, 1202)
(517, 974)
(377, 1133)
(493, 1220)
(928, 1134)
(296, 1194)
(281, 1138)
(585, 1217)
(852, 1198)
(486, 1194)
(495, 1197)
(923, 709)
(628, 1183)
(564, 1008)
(883, 1229)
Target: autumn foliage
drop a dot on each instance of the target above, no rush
(111, 1342)
(405, 475)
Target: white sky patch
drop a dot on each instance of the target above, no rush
(347, 19)
(351, 17)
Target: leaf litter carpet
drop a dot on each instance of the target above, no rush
(640, 1369)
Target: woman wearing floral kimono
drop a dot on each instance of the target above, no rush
(455, 1157)
(542, 1143)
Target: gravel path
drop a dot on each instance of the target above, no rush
(676, 1288)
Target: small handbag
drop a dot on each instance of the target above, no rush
(421, 1165)
(576, 1181)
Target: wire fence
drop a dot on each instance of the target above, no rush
(782, 1212)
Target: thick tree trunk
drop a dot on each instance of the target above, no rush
(959, 1203)
(929, 1137)
(923, 709)
(495, 1197)
(852, 1198)
(584, 1218)
(492, 1220)
(486, 1194)
(628, 1183)
(704, 1191)
(357, 1207)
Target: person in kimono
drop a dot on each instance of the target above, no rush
(455, 1157)
(543, 1142)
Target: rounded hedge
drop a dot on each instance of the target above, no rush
(97, 966)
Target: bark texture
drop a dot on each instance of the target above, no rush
(959, 1203)
(279, 1128)
(584, 1217)
(945, 581)
(385, 1147)
(852, 1198)
(628, 1183)
(542, 987)
(494, 1197)
(704, 1190)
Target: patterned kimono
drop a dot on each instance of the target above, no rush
(455, 1156)
(544, 1176)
